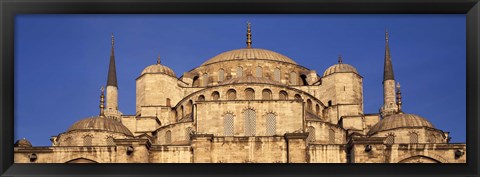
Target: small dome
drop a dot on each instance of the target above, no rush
(398, 121)
(23, 143)
(340, 68)
(100, 123)
(250, 79)
(249, 53)
(158, 68)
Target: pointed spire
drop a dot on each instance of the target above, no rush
(158, 59)
(340, 59)
(388, 68)
(249, 36)
(102, 101)
(112, 73)
(399, 98)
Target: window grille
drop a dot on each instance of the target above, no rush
(232, 94)
(259, 72)
(110, 141)
(293, 78)
(271, 124)
(168, 137)
(413, 138)
(228, 124)
(331, 136)
(249, 94)
(311, 134)
(276, 74)
(298, 97)
(266, 94)
(239, 71)
(250, 122)
(87, 140)
(188, 133)
(390, 140)
(221, 75)
(283, 95)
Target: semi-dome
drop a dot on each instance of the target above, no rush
(100, 123)
(340, 68)
(23, 143)
(398, 121)
(250, 54)
(158, 68)
(250, 79)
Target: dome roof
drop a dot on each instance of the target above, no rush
(158, 68)
(249, 53)
(100, 123)
(400, 120)
(23, 143)
(340, 68)
(250, 79)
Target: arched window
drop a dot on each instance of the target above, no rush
(250, 122)
(266, 94)
(205, 79)
(276, 74)
(293, 78)
(309, 105)
(317, 109)
(390, 139)
(304, 79)
(168, 137)
(168, 102)
(432, 138)
(201, 98)
(189, 108)
(231, 94)
(271, 124)
(221, 75)
(188, 133)
(68, 141)
(258, 72)
(249, 94)
(311, 134)
(228, 124)
(329, 103)
(331, 136)
(110, 141)
(195, 82)
(413, 138)
(87, 140)
(181, 112)
(239, 71)
(282, 95)
(298, 97)
(215, 95)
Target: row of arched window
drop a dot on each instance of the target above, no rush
(168, 135)
(413, 138)
(249, 95)
(311, 135)
(87, 141)
(250, 123)
(239, 71)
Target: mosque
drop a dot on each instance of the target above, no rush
(249, 105)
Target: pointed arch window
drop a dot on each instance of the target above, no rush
(215, 95)
(239, 71)
(298, 97)
(276, 74)
(87, 140)
(413, 138)
(309, 105)
(331, 136)
(266, 94)
(390, 139)
(271, 124)
(188, 133)
(283, 95)
(311, 134)
(249, 94)
(201, 98)
(228, 124)
(317, 109)
(221, 75)
(110, 141)
(168, 137)
(250, 122)
(258, 71)
(293, 78)
(231, 94)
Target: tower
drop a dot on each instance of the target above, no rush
(112, 87)
(389, 104)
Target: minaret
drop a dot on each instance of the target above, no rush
(112, 87)
(249, 36)
(389, 104)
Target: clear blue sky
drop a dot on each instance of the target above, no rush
(61, 61)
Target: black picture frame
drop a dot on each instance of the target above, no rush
(10, 8)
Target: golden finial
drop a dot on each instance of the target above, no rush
(249, 36)
(386, 34)
(399, 98)
(102, 106)
(113, 40)
(340, 59)
(158, 59)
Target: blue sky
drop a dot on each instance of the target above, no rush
(61, 61)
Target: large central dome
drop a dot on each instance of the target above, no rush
(249, 54)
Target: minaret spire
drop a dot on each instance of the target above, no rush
(388, 68)
(249, 36)
(112, 73)
(102, 106)
(399, 98)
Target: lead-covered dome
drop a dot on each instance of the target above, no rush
(158, 69)
(100, 123)
(340, 68)
(23, 143)
(249, 54)
(399, 121)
